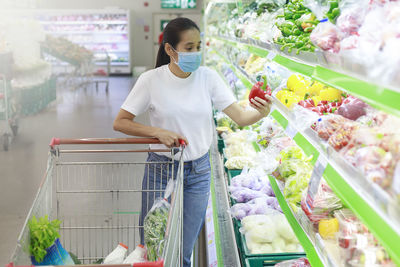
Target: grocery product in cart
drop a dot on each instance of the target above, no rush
(155, 224)
(93, 198)
(117, 256)
(45, 247)
(138, 255)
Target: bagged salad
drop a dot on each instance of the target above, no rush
(155, 224)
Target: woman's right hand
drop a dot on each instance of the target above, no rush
(168, 138)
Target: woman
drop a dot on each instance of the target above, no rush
(179, 95)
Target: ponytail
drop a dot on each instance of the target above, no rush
(162, 57)
(171, 35)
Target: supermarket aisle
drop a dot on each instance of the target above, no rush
(75, 114)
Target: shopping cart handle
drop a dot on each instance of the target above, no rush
(150, 264)
(102, 141)
(182, 142)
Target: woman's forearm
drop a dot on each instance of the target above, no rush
(249, 117)
(244, 117)
(133, 128)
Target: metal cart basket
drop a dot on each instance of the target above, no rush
(98, 201)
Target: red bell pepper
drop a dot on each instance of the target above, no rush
(259, 89)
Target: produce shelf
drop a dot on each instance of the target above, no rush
(373, 206)
(305, 237)
(309, 64)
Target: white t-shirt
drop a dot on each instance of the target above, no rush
(181, 105)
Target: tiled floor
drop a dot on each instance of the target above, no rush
(75, 114)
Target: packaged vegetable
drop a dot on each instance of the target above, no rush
(328, 228)
(321, 205)
(326, 36)
(352, 108)
(243, 194)
(155, 224)
(270, 233)
(358, 247)
(342, 136)
(238, 162)
(328, 125)
(261, 205)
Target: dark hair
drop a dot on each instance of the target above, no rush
(171, 35)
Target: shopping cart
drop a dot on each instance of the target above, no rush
(95, 199)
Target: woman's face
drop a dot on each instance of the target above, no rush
(190, 41)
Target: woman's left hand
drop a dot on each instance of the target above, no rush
(262, 106)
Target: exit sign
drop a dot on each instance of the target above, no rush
(179, 4)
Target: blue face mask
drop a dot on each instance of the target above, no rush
(188, 61)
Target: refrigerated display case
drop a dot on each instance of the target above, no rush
(242, 38)
(105, 32)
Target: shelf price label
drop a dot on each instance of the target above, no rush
(315, 181)
(290, 131)
(271, 55)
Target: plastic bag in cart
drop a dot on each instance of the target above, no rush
(155, 224)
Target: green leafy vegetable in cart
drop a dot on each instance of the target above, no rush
(155, 225)
(43, 233)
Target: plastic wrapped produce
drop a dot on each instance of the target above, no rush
(269, 233)
(155, 224)
(304, 118)
(326, 36)
(352, 15)
(277, 145)
(238, 162)
(268, 131)
(352, 108)
(301, 262)
(262, 205)
(375, 164)
(243, 194)
(321, 205)
(358, 247)
(342, 136)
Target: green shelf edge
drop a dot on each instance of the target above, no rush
(308, 246)
(294, 66)
(307, 147)
(375, 95)
(220, 259)
(280, 118)
(378, 97)
(389, 239)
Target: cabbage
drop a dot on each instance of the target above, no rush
(278, 244)
(238, 162)
(293, 152)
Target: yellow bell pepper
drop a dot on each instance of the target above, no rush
(316, 88)
(302, 92)
(330, 94)
(282, 93)
(316, 99)
(289, 99)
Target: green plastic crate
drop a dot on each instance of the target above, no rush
(234, 172)
(247, 253)
(221, 145)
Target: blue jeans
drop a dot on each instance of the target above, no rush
(196, 184)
